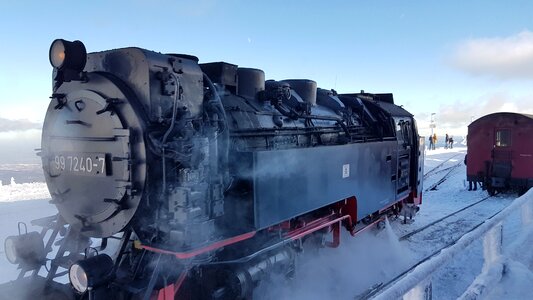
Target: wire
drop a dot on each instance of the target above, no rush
(177, 95)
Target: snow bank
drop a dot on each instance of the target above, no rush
(516, 282)
(24, 191)
(510, 276)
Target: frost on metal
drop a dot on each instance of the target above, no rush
(492, 245)
(490, 275)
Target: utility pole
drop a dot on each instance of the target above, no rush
(432, 123)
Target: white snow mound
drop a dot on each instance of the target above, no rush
(23, 191)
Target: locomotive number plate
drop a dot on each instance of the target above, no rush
(92, 164)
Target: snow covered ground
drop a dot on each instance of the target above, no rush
(23, 191)
(21, 173)
(373, 257)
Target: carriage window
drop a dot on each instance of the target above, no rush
(503, 138)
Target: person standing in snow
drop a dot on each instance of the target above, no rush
(446, 142)
(430, 142)
(451, 142)
(434, 140)
(470, 181)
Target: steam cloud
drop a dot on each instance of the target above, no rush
(503, 58)
(343, 273)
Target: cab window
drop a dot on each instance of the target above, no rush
(403, 131)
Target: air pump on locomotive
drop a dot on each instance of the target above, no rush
(174, 179)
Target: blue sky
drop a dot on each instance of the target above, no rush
(457, 59)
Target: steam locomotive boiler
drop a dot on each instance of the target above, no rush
(174, 179)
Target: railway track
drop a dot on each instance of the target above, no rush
(435, 169)
(408, 235)
(444, 178)
(434, 186)
(375, 289)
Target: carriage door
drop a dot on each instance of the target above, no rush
(404, 137)
(501, 157)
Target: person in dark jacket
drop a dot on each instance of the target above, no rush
(470, 181)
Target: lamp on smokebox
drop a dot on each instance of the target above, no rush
(26, 249)
(84, 275)
(65, 55)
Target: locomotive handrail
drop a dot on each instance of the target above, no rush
(417, 283)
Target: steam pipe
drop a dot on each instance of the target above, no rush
(286, 111)
(169, 130)
(224, 144)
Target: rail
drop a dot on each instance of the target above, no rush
(436, 168)
(444, 178)
(408, 235)
(417, 284)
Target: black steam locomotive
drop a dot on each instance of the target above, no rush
(175, 179)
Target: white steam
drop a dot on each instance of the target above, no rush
(343, 273)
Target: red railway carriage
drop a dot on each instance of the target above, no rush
(500, 152)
